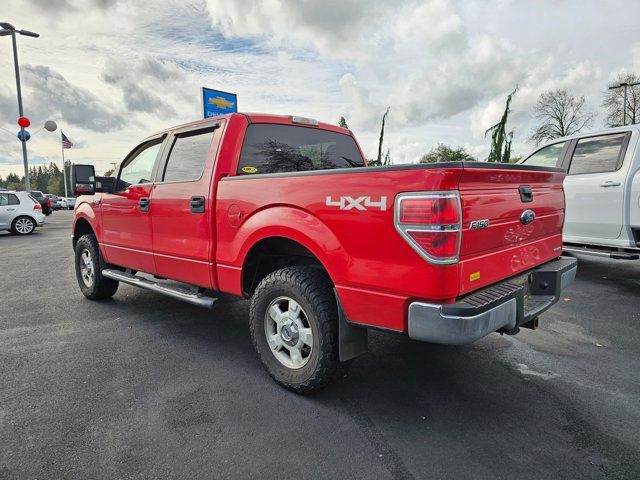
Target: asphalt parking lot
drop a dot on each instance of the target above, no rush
(142, 386)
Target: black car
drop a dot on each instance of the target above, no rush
(45, 203)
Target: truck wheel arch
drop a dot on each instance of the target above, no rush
(272, 253)
(81, 227)
(290, 232)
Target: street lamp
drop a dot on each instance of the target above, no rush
(624, 85)
(8, 29)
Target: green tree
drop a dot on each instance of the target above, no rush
(55, 186)
(343, 123)
(445, 153)
(500, 138)
(14, 182)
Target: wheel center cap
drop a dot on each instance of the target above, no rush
(289, 333)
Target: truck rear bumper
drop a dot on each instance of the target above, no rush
(501, 306)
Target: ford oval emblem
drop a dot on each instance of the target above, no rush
(527, 217)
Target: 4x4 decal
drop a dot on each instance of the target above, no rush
(359, 203)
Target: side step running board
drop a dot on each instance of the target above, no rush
(617, 255)
(170, 291)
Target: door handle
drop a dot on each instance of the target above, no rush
(196, 204)
(526, 193)
(143, 204)
(10, 209)
(610, 183)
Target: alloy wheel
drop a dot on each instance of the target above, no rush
(288, 332)
(87, 268)
(24, 226)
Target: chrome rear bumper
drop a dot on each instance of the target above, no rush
(502, 306)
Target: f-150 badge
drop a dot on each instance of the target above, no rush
(358, 203)
(479, 224)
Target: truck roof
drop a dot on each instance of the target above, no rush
(261, 118)
(594, 133)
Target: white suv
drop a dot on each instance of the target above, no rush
(20, 212)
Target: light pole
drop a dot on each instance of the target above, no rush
(8, 29)
(624, 86)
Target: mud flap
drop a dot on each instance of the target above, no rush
(352, 341)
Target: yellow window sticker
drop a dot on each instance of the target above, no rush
(474, 276)
(249, 169)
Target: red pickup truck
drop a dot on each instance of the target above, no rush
(284, 211)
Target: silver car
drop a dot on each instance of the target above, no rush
(20, 212)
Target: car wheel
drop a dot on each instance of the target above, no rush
(23, 226)
(89, 266)
(294, 328)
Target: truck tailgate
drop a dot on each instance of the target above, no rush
(497, 241)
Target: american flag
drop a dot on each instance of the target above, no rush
(66, 143)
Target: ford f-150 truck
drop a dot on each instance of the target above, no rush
(284, 211)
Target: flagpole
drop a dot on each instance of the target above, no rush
(64, 169)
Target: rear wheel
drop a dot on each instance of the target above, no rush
(23, 226)
(294, 327)
(89, 266)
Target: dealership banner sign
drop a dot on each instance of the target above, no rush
(217, 102)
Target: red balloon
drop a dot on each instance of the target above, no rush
(24, 122)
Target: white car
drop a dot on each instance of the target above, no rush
(20, 212)
(62, 203)
(602, 190)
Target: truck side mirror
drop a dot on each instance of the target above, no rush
(83, 179)
(106, 184)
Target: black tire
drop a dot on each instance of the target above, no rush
(313, 291)
(100, 287)
(24, 222)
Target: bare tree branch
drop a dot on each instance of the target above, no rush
(559, 115)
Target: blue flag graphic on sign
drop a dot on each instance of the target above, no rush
(217, 102)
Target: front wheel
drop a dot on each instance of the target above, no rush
(89, 265)
(294, 328)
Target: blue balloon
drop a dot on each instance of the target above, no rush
(27, 135)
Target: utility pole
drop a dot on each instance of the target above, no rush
(624, 86)
(8, 29)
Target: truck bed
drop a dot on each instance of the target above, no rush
(375, 270)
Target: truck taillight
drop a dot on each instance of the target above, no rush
(431, 223)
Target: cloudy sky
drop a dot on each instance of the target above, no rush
(111, 72)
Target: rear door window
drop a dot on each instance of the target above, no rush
(13, 199)
(188, 156)
(269, 148)
(548, 156)
(599, 154)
